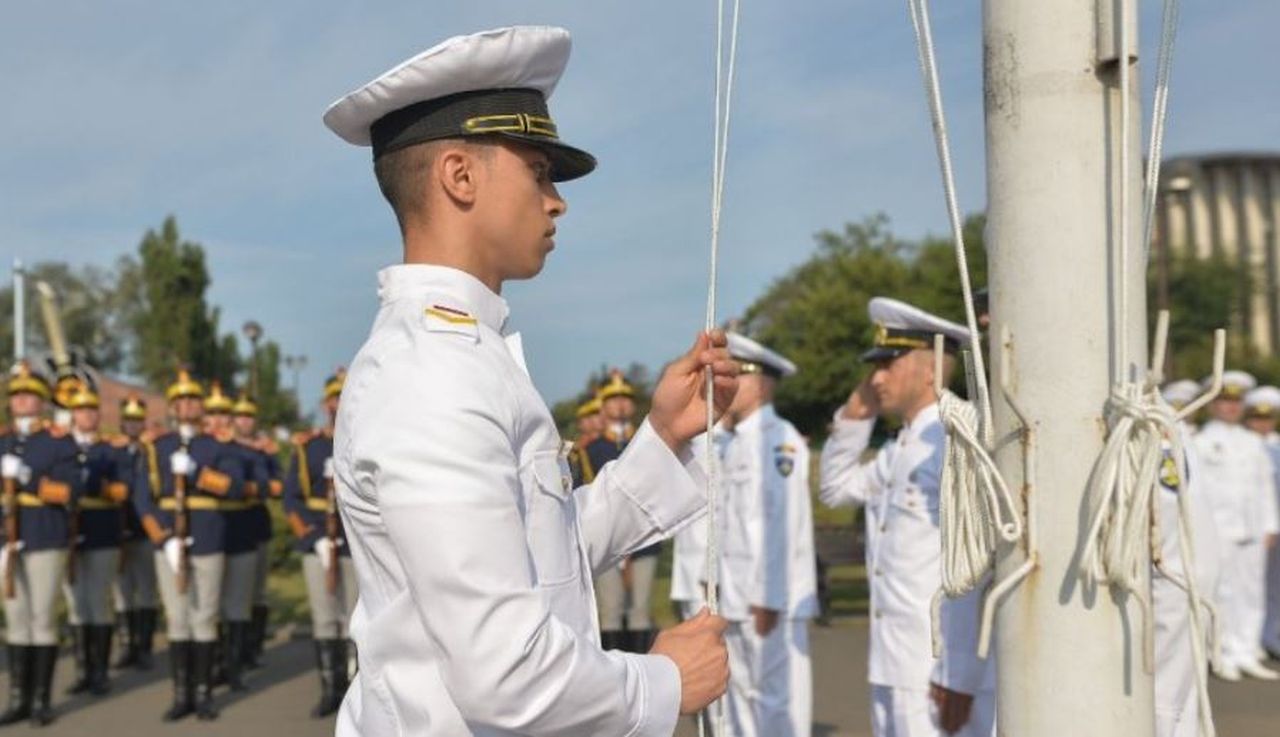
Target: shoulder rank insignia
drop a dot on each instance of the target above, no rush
(444, 319)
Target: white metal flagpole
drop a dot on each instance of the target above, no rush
(1065, 329)
(19, 311)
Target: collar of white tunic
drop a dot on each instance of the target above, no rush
(414, 280)
(923, 419)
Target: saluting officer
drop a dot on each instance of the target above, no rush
(623, 590)
(769, 589)
(245, 422)
(135, 586)
(96, 521)
(319, 536)
(42, 478)
(912, 692)
(240, 542)
(1238, 481)
(189, 534)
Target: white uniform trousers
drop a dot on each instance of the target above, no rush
(89, 598)
(193, 616)
(237, 586)
(1241, 599)
(135, 587)
(909, 712)
(30, 617)
(1177, 709)
(330, 612)
(262, 567)
(770, 680)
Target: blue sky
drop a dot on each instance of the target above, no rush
(117, 114)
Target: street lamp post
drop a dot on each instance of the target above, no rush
(253, 331)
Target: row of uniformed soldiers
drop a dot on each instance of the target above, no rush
(112, 519)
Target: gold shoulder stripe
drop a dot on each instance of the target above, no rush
(453, 319)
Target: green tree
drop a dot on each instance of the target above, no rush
(163, 299)
(276, 406)
(89, 309)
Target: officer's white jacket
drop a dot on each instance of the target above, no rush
(768, 558)
(1238, 480)
(899, 488)
(473, 554)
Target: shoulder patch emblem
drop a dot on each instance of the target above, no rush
(784, 459)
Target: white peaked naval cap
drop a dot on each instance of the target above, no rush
(1180, 393)
(757, 358)
(902, 328)
(492, 83)
(1263, 401)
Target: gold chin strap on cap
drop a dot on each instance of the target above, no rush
(533, 125)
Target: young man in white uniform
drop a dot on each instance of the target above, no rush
(768, 591)
(473, 552)
(1262, 409)
(1239, 484)
(912, 693)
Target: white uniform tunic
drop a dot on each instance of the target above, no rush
(1239, 484)
(473, 554)
(900, 491)
(768, 562)
(1177, 708)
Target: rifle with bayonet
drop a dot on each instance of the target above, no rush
(331, 532)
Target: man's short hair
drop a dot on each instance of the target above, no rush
(402, 173)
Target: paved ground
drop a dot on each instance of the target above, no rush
(285, 690)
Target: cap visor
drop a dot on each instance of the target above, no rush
(883, 353)
(567, 162)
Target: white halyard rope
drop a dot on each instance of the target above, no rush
(719, 158)
(978, 512)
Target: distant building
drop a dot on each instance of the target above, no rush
(113, 391)
(1226, 205)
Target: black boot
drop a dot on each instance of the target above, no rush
(324, 664)
(219, 646)
(203, 673)
(42, 662)
(129, 639)
(257, 636)
(99, 658)
(233, 654)
(341, 678)
(644, 640)
(611, 639)
(146, 636)
(180, 673)
(80, 655)
(19, 685)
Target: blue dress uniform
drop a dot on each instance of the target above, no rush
(306, 508)
(51, 479)
(267, 486)
(216, 483)
(135, 586)
(97, 521)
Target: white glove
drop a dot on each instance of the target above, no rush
(328, 468)
(24, 474)
(10, 466)
(180, 463)
(324, 549)
(173, 553)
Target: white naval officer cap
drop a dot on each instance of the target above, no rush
(755, 358)
(902, 328)
(1263, 401)
(1234, 384)
(492, 83)
(1180, 393)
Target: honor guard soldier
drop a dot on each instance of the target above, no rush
(42, 481)
(312, 512)
(245, 421)
(95, 523)
(590, 424)
(473, 552)
(1262, 409)
(1239, 483)
(769, 589)
(65, 384)
(240, 543)
(912, 693)
(625, 589)
(190, 477)
(135, 587)
(1176, 701)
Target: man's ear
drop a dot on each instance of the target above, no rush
(456, 169)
